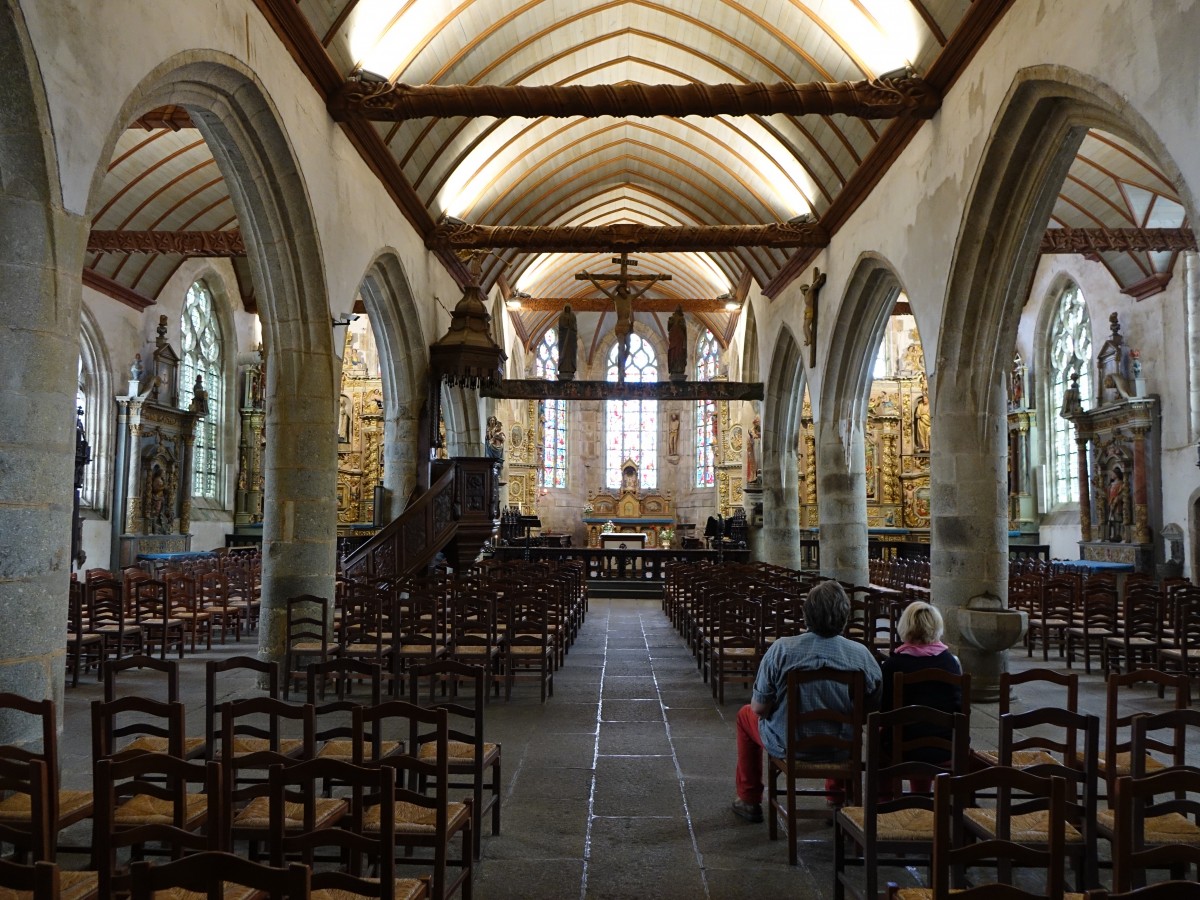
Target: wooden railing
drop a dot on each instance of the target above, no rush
(409, 543)
(640, 564)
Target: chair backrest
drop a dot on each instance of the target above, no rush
(215, 667)
(114, 721)
(951, 692)
(343, 670)
(245, 719)
(1067, 680)
(825, 714)
(210, 871)
(469, 718)
(1146, 738)
(1115, 722)
(39, 881)
(167, 668)
(1137, 801)
(28, 778)
(14, 705)
(169, 818)
(1016, 792)
(307, 619)
(899, 744)
(354, 834)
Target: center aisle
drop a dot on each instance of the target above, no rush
(619, 785)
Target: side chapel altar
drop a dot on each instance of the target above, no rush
(640, 516)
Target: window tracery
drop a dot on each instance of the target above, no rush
(1069, 349)
(631, 426)
(707, 363)
(200, 341)
(553, 417)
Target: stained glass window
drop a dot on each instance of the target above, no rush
(707, 357)
(553, 416)
(1070, 350)
(631, 429)
(201, 345)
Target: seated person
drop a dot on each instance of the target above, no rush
(762, 724)
(920, 629)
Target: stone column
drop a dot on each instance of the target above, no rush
(40, 253)
(300, 515)
(842, 500)
(969, 520)
(778, 541)
(401, 439)
(1085, 488)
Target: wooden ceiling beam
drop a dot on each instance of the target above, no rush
(602, 305)
(627, 237)
(539, 389)
(116, 290)
(181, 243)
(1091, 241)
(883, 98)
(175, 118)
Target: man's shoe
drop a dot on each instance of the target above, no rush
(751, 812)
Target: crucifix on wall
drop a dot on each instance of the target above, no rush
(622, 297)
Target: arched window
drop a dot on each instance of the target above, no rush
(553, 416)
(91, 408)
(201, 345)
(1069, 350)
(707, 358)
(631, 426)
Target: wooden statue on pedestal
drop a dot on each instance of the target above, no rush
(1120, 504)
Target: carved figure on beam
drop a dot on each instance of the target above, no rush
(811, 293)
(568, 343)
(876, 99)
(1117, 240)
(622, 298)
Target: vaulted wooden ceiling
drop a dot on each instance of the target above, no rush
(572, 169)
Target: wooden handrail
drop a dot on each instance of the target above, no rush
(409, 542)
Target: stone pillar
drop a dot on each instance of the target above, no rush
(1085, 487)
(300, 515)
(778, 540)
(401, 439)
(842, 500)
(40, 254)
(969, 520)
(1192, 310)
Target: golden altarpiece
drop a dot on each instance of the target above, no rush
(360, 427)
(153, 490)
(895, 443)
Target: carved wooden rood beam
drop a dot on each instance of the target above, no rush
(888, 98)
(626, 237)
(183, 243)
(1119, 240)
(538, 389)
(592, 304)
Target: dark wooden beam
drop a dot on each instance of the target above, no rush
(888, 98)
(175, 118)
(626, 237)
(116, 290)
(1090, 241)
(180, 243)
(537, 389)
(601, 305)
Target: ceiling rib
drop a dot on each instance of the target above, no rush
(885, 98)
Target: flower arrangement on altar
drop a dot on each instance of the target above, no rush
(588, 509)
(665, 537)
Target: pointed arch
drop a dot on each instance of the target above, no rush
(780, 541)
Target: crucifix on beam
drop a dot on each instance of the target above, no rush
(622, 297)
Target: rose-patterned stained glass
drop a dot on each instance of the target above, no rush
(631, 426)
(707, 359)
(553, 417)
(201, 355)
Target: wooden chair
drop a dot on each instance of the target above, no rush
(1164, 890)
(1182, 654)
(470, 756)
(106, 616)
(1079, 771)
(474, 639)
(884, 829)
(129, 726)
(334, 720)
(737, 645)
(65, 807)
(528, 650)
(24, 785)
(365, 836)
(213, 588)
(1097, 623)
(154, 614)
(1136, 645)
(822, 743)
(144, 799)
(85, 648)
(39, 881)
(1116, 760)
(167, 688)
(430, 823)
(1153, 833)
(953, 692)
(307, 638)
(1017, 792)
(214, 701)
(1055, 614)
(218, 875)
(1031, 750)
(184, 599)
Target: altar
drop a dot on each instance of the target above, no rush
(623, 540)
(636, 514)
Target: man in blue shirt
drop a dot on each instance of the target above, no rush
(762, 724)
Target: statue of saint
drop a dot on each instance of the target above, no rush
(922, 422)
(752, 441)
(494, 445)
(199, 398)
(1115, 531)
(677, 345)
(673, 435)
(344, 414)
(568, 342)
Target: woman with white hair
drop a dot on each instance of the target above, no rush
(920, 629)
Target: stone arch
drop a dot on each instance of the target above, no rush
(841, 416)
(779, 541)
(40, 246)
(1033, 141)
(246, 136)
(404, 366)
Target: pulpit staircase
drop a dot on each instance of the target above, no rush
(455, 516)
